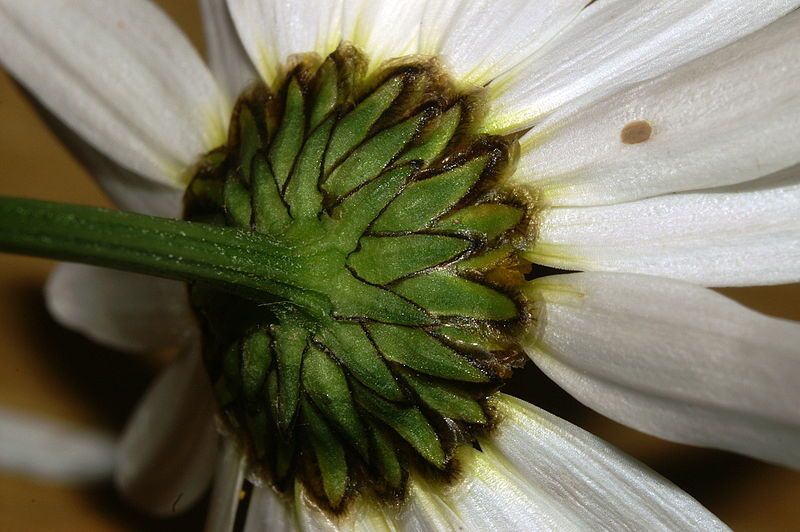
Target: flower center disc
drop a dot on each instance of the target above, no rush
(403, 300)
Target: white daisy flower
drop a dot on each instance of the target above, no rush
(372, 181)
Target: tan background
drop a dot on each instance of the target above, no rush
(48, 370)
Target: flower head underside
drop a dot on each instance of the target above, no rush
(406, 268)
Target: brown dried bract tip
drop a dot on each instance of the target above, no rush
(636, 132)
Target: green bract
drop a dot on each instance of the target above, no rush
(401, 266)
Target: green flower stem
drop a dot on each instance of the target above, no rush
(246, 263)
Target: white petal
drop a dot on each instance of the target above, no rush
(539, 472)
(310, 518)
(492, 496)
(672, 359)
(226, 54)
(168, 450)
(536, 460)
(228, 479)
(728, 117)
(133, 193)
(426, 509)
(128, 190)
(614, 42)
(714, 238)
(52, 451)
(363, 515)
(269, 511)
(480, 39)
(121, 75)
(383, 29)
(274, 31)
(127, 311)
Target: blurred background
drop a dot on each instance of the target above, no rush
(50, 371)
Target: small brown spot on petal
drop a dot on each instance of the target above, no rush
(636, 132)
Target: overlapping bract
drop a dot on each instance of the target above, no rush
(411, 262)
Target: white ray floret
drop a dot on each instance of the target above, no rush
(672, 359)
(227, 58)
(386, 28)
(274, 31)
(268, 510)
(168, 449)
(126, 311)
(741, 236)
(121, 75)
(728, 117)
(227, 491)
(510, 32)
(588, 481)
(52, 451)
(615, 42)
